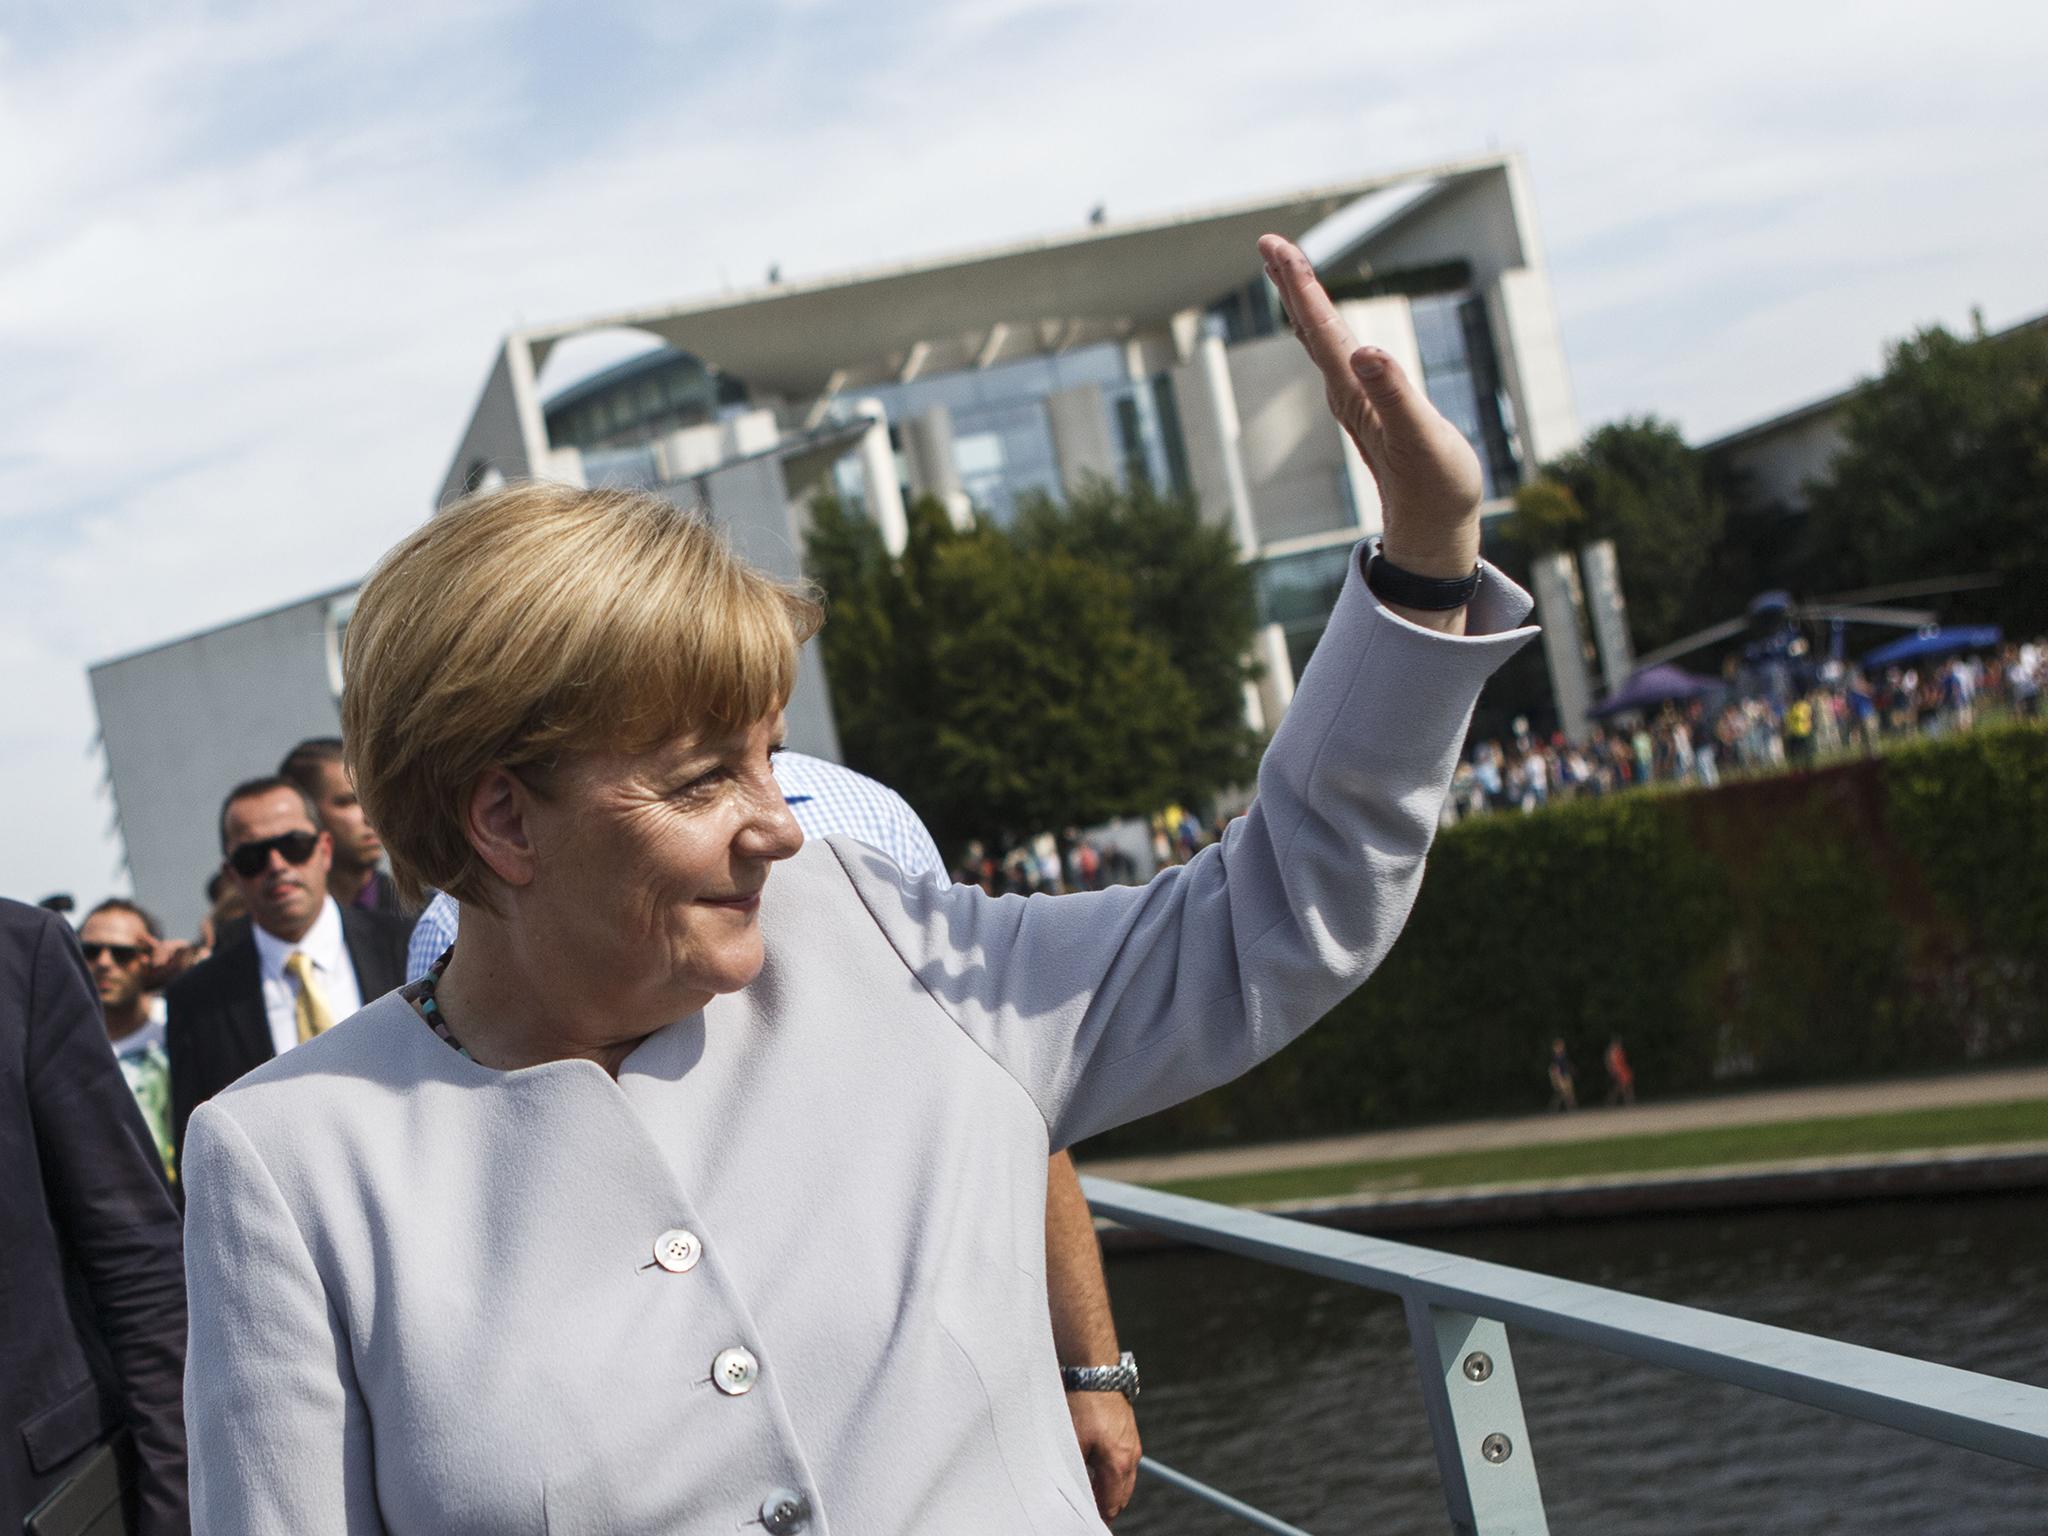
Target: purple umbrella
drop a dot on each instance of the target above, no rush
(1645, 690)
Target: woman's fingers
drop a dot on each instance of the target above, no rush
(1429, 478)
(1394, 397)
(1322, 330)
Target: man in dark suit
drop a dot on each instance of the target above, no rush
(303, 964)
(92, 1329)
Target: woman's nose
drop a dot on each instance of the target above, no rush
(772, 832)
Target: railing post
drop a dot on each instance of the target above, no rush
(1475, 1417)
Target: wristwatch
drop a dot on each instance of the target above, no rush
(1390, 584)
(1121, 1377)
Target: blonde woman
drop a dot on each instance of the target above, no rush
(703, 1189)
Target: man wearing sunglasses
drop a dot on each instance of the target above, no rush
(303, 965)
(121, 942)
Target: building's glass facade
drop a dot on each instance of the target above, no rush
(1002, 438)
(641, 399)
(1461, 375)
(1298, 591)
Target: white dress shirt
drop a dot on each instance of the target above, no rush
(333, 972)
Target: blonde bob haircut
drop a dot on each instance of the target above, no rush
(528, 622)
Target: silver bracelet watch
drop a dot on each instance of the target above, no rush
(1121, 1377)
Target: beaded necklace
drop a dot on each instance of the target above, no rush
(429, 1006)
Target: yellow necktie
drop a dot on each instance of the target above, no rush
(311, 1008)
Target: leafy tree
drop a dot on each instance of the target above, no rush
(1943, 471)
(1189, 591)
(1638, 483)
(1002, 684)
(1547, 517)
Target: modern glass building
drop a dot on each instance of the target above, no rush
(1152, 352)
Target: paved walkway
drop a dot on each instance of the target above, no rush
(1762, 1107)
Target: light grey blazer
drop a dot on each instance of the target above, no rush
(428, 1297)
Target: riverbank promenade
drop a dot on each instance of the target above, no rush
(1721, 1113)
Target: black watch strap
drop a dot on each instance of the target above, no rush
(1390, 584)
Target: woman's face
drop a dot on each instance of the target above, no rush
(650, 866)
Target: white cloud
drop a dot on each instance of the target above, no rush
(253, 260)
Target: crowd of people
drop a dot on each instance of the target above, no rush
(1743, 732)
(1050, 864)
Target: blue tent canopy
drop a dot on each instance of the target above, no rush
(1651, 687)
(1934, 642)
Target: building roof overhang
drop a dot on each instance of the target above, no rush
(1038, 297)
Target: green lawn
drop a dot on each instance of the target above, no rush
(1904, 1131)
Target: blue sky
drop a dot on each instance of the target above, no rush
(254, 259)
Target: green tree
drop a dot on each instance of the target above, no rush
(1547, 517)
(1189, 591)
(1943, 471)
(1003, 686)
(1638, 483)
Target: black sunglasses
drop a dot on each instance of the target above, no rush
(122, 954)
(250, 859)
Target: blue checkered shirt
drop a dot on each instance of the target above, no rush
(826, 799)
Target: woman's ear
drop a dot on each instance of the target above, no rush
(498, 821)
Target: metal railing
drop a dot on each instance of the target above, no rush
(1459, 1311)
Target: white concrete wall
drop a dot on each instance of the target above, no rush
(1293, 453)
(750, 501)
(1302, 472)
(506, 432)
(186, 722)
(1475, 221)
(1523, 319)
(691, 451)
(752, 431)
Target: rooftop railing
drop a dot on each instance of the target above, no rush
(1459, 1311)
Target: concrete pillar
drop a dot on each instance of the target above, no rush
(1080, 437)
(928, 449)
(1609, 613)
(749, 499)
(1560, 609)
(1211, 434)
(507, 433)
(1276, 688)
(880, 488)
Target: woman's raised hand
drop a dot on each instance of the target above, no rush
(1427, 473)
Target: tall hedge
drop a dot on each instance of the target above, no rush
(1871, 918)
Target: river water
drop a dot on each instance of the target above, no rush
(1299, 1395)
